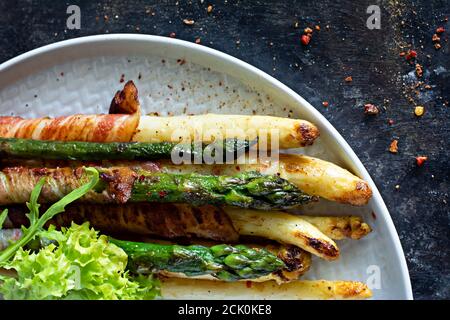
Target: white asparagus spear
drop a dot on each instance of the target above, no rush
(291, 133)
(284, 228)
(190, 289)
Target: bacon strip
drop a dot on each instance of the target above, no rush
(93, 128)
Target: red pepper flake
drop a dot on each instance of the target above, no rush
(440, 30)
(393, 148)
(317, 27)
(188, 22)
(374, 216)
(391, 122)
(402, 54)
(162, 194)
(435, 38)
(198, 40)
(371, 109)
(181, 61)
(420, 160)
(141, 178)
(437, 46)
(209, 9)
(348, 79)
(248, 284)
(419, 70)
(122, 78)
(308, 30)
(305, 39)
(412, 54)
(325, 104)
(172, 35)
(238, 168)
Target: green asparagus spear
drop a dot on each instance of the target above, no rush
(224, 262)
(248, 190)
(91, 151)
(125, 184)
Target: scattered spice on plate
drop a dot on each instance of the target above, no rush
(317, 27)
(371, 109)
(122, 78)
(305, 38)
(419, 111)
(420, 160)
(436, 38)
(348, 79)
(188, 22)
(393, 148)
(325, 104)
(209, 9)
(391, 122)
(198, 40)
(172, 35)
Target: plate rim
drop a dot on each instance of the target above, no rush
(277, 84)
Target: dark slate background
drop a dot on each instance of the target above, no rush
(263, 34)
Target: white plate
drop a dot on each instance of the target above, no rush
(81, 76)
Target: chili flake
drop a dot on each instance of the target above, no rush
(209, 9)
(412, 54)
(420, 160)
(348, 79)
(393, 148)
(419, 70)
(419, 111)
(305, 39)
(440, 30)
(325, 104)
(371, 109)
(188, 22)
(172, 35)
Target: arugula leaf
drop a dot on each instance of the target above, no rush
(3, 216)
(37, 223)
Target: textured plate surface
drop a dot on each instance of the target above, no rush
(176, 77)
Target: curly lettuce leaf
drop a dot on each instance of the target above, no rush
(83, 265)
